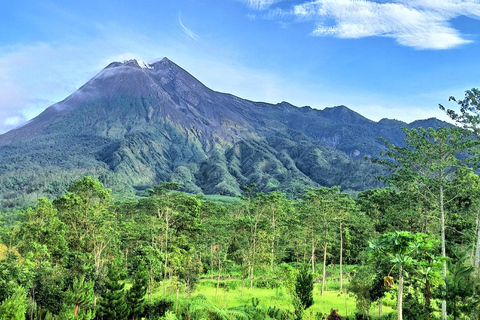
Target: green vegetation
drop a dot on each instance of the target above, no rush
(409, 251)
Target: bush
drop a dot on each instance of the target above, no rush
(267, 284)
(156, 309)
(334, 315)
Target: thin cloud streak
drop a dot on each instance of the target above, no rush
(187, 31)
(259, 4)
(421, 24)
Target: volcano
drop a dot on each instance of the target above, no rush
(135, 124)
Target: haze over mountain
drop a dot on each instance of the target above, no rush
(134, 125)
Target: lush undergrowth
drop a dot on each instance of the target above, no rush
(272, 293)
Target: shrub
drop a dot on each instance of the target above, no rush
(334, 315)
(156, 309)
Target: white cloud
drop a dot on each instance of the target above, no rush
(421, 24)
(187, 31)
(259, 4)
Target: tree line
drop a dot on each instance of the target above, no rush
(84, 256)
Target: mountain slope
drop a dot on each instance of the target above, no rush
(133, 125)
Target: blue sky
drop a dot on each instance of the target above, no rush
(384, 59)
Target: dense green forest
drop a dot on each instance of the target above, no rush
(411, 248)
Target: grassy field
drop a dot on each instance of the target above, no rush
(278, 297)
(230, 294)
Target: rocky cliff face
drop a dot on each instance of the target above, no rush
(134, 125)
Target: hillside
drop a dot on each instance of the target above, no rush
(133, 125)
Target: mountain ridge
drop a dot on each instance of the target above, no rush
(135, 124)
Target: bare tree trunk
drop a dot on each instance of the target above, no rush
(211, 261)
(273, 243)
(341, 258)
(243, 285)
(477, 258)
(166, 252)
(324, 268)
(428, 296)
(219, 275)
(444, 254)
(313, 254)
(251, 277)
(400, 294)
(380, 305)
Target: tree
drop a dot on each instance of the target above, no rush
(326, 207)
(85, 208)
(403, 248)
(304, 287)
(252, 225)
(15, 306)
(79, 300)
(179, 216)
(113, 305)
(136, 295)
(15, 271)
(42, 226)
(460, 286)
(426, 166)
(468, 116)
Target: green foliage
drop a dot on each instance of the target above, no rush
(361, 286)
(15, 306)
(304, 287)
(135, 297)
(459, 286)
(156, 309)
(50, 287)
(113, 305)
(15, 272)
(78, 302)
(171, 239)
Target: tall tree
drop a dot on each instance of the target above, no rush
(78, 302)
(254, 221)
(426, 166)
(403, 249)
(136, 295)
(326, 209)
(179, 215)
(113, 305)
(85, 208)
(468, 116)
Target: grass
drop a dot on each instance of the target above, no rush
(276, 297)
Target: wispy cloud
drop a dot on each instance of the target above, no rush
(421, 24)
(187, 31)
(259, 4)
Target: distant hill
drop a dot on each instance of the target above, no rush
(134, 125)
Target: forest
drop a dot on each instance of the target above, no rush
(410, 250)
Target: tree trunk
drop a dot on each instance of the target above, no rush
(254, 253)
(380, 305)
(166, 252)
(273, 243)
(211, 261)
(324, 268)
(313, 254)
(341, 258)
(400, 294)
(219, 275)
(444, 254)
(477, 258)
(428, 296)
(251, 277)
